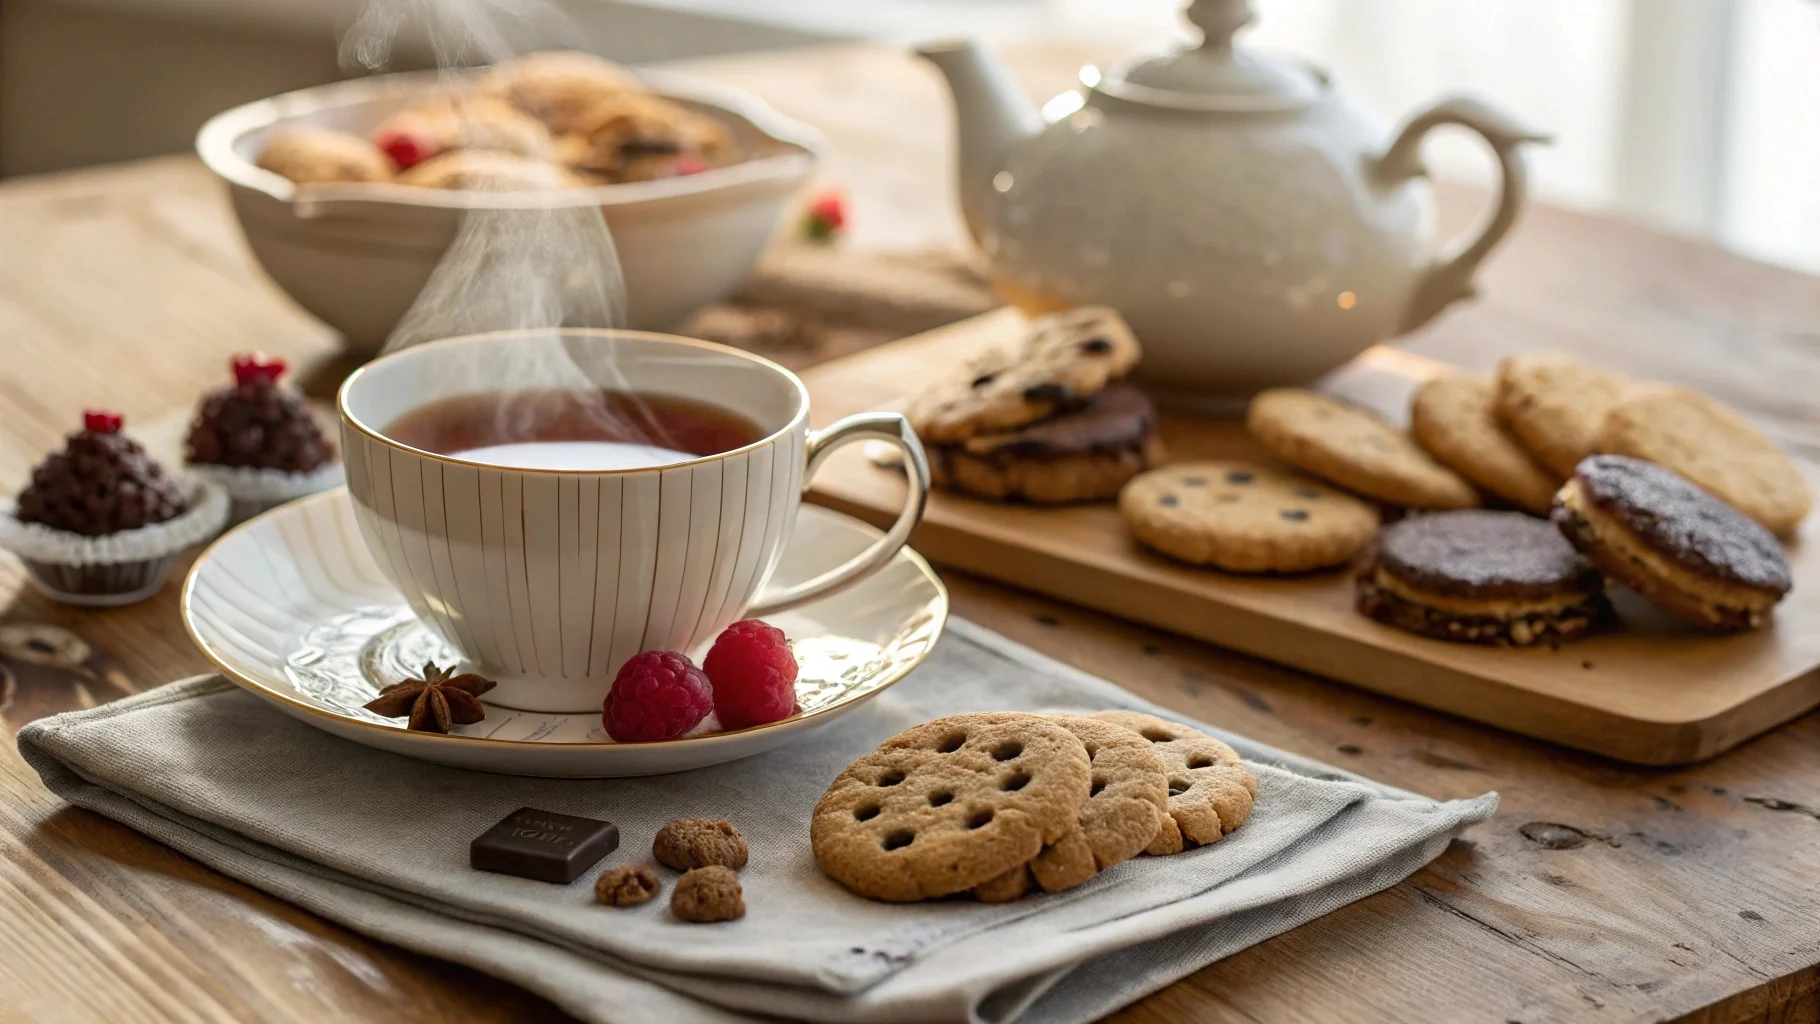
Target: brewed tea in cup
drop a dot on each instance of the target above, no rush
(553, 502)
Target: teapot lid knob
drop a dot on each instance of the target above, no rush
(1219, 21)
(1217, 76)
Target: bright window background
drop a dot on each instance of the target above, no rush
(1771, 170)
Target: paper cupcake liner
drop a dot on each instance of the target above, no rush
(35, 542)
(252, 490)
(272, 486)
(101, 586)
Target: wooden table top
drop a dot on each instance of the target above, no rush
(1597, 893)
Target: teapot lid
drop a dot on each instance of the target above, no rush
(1216, 75)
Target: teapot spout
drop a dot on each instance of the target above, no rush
(992, 115)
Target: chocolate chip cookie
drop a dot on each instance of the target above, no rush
(1210, 791)
(1482, 577)
(1355, 448)
(1555, 405)
(1686, 432)
(947, 805)
(1454, 417)
(1083, 455)
(1684, 550)
(1242, 517)
(1064, 359)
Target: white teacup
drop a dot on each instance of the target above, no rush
(548, 580)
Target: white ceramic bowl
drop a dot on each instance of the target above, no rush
(356, 255)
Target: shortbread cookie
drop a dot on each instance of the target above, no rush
(1354, 448)
(949, 804)
(1065, 359)
(1083, 455)
(1684, 550)
(1245, 518)
(1125, 808)
(1689, 433)
(1210, 790)
(1555, 404)
(1454, 417)
(1482, 577)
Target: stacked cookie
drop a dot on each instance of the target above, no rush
(1000, 804)
(1051, 421)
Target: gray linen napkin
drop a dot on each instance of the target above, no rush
(379, 842)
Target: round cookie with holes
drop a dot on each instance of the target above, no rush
(1242, 517)
(1125, 808)
(947, 805)
(1064, 359)
(1688, 433)
(1210, 791)
(1555, 405)
(1355, 448)
(1454, 417)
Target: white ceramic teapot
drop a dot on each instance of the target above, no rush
(1254, 226)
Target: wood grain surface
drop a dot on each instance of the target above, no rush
(1598, 893)
(1650, 692)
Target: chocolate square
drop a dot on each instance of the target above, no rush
(543, 845)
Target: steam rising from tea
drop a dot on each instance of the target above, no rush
(532, 261)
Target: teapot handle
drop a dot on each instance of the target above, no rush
(1450, 278)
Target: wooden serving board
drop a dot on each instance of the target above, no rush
(1650, 692)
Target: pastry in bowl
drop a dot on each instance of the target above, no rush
(634, 136)
(426, 130)
(575, 110)
(558, 86)
(486, 171)
(310, 155)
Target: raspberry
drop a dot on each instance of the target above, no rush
(754, 675)
(256, 367)
(102, 422)
(405, 149)
(657, 695)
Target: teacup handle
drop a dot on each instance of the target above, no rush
(891, 428)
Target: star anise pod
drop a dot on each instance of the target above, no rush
(435, 702)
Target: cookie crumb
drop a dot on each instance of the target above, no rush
(627, 886)
(705, 895)
(690, 843)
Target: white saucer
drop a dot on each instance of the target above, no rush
(291, 606)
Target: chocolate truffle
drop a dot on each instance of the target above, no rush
(1684, 550)
(1481, 577)
(256, 423)
(102, 482)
